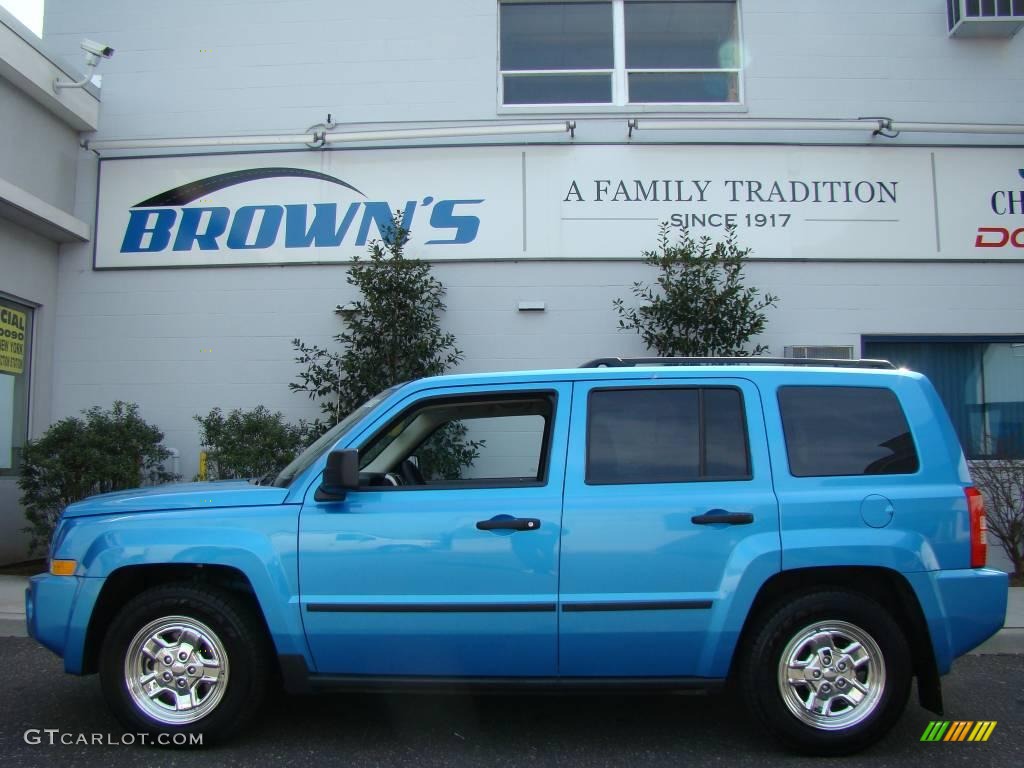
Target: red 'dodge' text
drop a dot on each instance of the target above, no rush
(999, 237)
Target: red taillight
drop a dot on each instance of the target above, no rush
(979, 527)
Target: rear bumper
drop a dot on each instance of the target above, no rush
(963, 608)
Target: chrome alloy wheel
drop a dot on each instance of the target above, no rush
(176, 670)
(831, 675)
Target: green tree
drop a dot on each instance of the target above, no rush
(248, 444)
(391, 334)
(699, 306)
(77, 457)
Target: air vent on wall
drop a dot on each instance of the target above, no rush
(827, 353)
(984, 18)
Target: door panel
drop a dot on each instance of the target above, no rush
(644, 586)
(400, 581)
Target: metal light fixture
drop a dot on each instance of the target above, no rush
(320, 136)
(879, 126)
(567, 126)
(755, 124)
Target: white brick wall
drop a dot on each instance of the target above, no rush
(194, 68)
(262, 66)
(227, 66)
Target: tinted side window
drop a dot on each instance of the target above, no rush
(845, 431)
(666, 436)
(725, 434)
(490, 439)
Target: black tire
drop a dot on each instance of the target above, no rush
(221, 625)
(834, 618)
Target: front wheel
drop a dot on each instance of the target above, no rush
(827, 673)
(184, 659)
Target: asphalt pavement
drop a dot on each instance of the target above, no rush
(497, 730)
(46, 715)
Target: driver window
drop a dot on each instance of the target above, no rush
(489, 440)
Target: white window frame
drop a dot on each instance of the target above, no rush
(619, 75)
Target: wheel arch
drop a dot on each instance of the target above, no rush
(125, 583)
(887, 587)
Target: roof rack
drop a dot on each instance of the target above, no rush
(630, 362)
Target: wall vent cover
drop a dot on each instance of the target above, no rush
(827, 353)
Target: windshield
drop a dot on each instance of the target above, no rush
(301, 462)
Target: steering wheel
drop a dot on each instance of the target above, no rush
(393, 478)
(410, 474)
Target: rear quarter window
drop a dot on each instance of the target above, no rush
(842, 431)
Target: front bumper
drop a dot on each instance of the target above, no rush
(57, 610)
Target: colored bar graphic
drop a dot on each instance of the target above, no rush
(935, 730)
(982, 730)
(959, 730)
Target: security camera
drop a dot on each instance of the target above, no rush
(93, 48)
(93, 53)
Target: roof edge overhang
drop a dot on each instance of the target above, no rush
(32, 213)
(31, 70)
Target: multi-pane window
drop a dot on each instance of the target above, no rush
(15, 350)
(836, 431)
(557, 53)
(681, 52)
(980, 381)
(666, 435)
(619, 52)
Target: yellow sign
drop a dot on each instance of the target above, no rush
(12, 340)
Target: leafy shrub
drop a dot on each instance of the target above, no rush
(77, 457)
(249, 444)
(700, 307)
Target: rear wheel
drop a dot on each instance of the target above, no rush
(185, 659)
(827, 673)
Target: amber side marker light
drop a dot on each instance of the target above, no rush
(63, 567)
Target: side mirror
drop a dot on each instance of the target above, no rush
(340, 476)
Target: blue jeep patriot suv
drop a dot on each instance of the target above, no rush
(805, 532)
